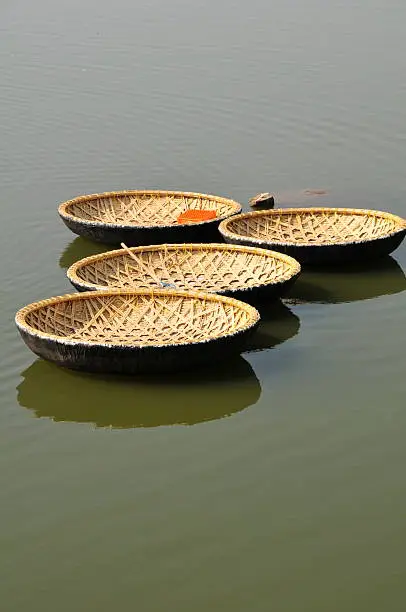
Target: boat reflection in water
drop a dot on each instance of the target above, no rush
(124, 402)
(338, 284)
(278, 324)
(79, 248)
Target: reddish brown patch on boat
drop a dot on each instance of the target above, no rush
(196, 215)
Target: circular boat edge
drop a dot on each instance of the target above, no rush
(135, 358)
(268, 290)
(133, 235)
(325, 253)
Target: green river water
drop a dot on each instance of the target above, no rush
(277, 481)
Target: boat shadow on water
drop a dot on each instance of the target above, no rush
(352, 283)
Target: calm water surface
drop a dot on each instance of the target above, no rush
(275, 482)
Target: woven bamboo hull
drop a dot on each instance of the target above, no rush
(249, 274)
(253, 296)
(136, 331)
(138, 236)
(137, 360)
(319, 235)
(144, 217)
(262, 295)
(331, 254)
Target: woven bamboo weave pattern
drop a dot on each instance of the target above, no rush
(315, 226)
(138, 318)
(213, 268)
(144, 208)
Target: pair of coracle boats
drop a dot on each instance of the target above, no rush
(175, 296)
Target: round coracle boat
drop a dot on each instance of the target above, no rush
(137, 331)
(147, 217)
(237, 271)
(318, 235)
